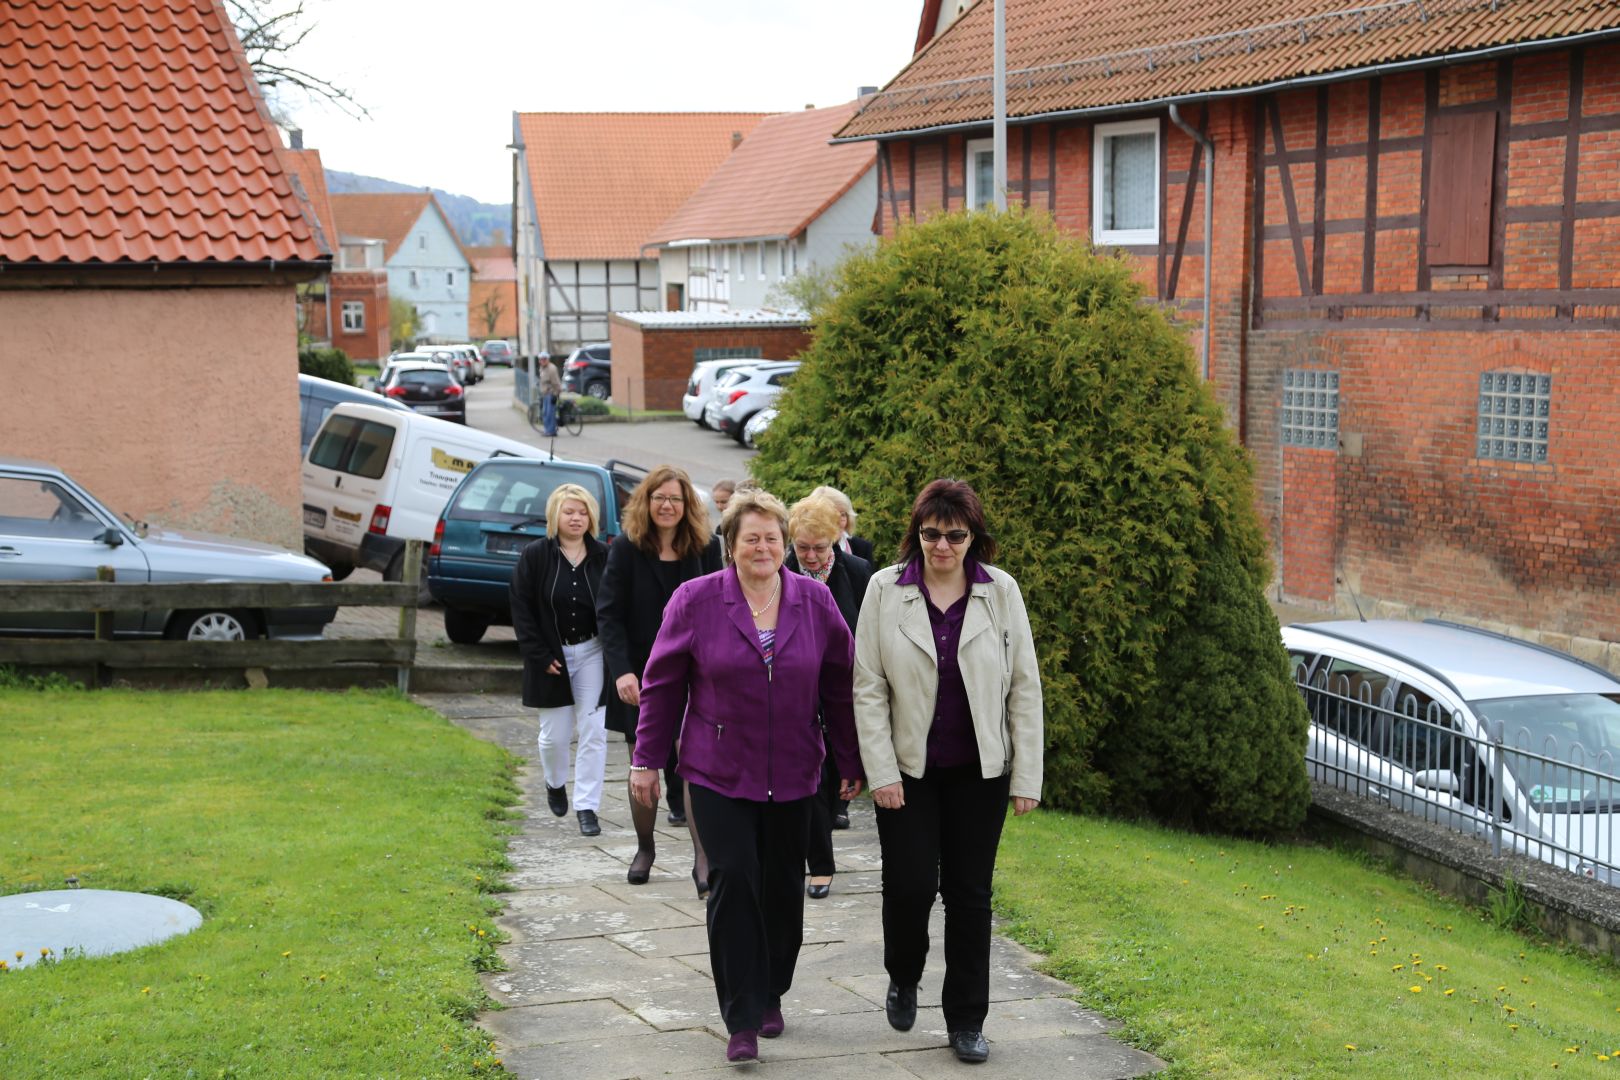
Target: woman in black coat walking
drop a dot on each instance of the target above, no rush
(554, 590)
(667, 540)
(814, 528)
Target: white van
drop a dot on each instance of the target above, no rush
(375, 478)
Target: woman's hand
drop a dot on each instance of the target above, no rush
(629, 688)
(890, 796)
(848, 789)
(644, 782)
(1022, 805)
(554, 668)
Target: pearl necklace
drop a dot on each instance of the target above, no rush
(767, 605)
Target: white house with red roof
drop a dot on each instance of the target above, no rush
(591, 188)
(784, 201)
(418, 247)
(151, 241)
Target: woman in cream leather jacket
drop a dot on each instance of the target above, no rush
(948, 711)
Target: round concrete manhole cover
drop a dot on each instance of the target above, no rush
(87, 922)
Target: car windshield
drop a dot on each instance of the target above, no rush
(1580, 730)
(516, 494)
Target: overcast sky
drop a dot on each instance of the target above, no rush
(441, 80)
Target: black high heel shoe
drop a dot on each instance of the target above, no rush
(638, 875)
(701, 883)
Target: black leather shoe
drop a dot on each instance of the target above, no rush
(970, 1046)
(677, 818)
(557, 799)
(587, 823)
(840, 821)
(901, 1006)
(817, 892)
(639, 871)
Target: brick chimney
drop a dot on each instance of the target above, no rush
(736, 139)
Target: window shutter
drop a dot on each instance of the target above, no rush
(1462, 158)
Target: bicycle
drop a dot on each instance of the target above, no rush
(568, 414)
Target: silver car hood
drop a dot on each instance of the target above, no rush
(186, 555)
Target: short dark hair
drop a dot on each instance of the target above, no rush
(953, 502)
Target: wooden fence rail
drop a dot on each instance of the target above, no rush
(105, 597)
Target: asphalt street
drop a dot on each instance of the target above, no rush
(706, 456)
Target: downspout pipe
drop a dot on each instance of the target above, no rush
(1209, 234)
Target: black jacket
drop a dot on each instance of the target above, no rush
(848, 579)
(862, 547)
(535, 623)
(629, 611)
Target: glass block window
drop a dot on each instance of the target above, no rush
(726, 352)
(1514, 412)
(1310, 408)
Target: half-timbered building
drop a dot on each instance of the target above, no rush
(1412, 254)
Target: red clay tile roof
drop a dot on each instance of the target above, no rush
(602, 182)
(386, 217)
(778, 181)
(1077, 55)
(310, 174)
(493, 262)
(132, 131)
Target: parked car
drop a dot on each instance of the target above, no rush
(465, 352)
(317, 397)
(442, 359)
(498, 352)
(427, 388)
(499, 509)
(756, 427)
(745, 391)
(51, 529)
(589, 370)
(375, 478)
(700, 387)
(1425, 716)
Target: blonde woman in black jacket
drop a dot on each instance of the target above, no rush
(554, 590)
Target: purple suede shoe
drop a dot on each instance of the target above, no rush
(744, 1046)
(773, 1024)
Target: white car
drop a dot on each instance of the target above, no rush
(442, 359)
(469, 352)
(745, 391)
(700, 387)
(756, 427)
(1431, 717)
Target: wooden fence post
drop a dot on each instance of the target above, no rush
(411, 575)
(104, 624)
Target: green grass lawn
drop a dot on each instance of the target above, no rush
(1235, 959)
(341, 848)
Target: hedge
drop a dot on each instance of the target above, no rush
(991, 348)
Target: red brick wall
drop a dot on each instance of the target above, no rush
(651, 365)
(1308, 544)
(370, 287)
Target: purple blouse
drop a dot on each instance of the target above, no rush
(951, 738)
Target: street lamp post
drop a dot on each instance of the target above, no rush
(998, 126)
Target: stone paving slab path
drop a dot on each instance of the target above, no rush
(610, 981)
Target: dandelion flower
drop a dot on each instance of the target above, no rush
(1441, 967)
(1450, 992)
(1502, 988)
(286, 954)
(20, 956)
(323, 976)
(1510, 1010)
(1513, 1027)
(1415, 989)
(1349, 1046)
(45, 952)
(1397, 967)
(1572, 1049)
(1524, 978)
(481, 933)
(146, 989)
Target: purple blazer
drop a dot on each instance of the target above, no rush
(750, 732)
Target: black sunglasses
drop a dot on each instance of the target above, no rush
(955, 536)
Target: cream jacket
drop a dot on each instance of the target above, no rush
(897, 675)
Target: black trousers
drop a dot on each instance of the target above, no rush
(823, 805)
(756, 898)
(943, 841)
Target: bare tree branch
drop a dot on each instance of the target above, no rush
(269, 37)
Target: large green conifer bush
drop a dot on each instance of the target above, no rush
(993, 349)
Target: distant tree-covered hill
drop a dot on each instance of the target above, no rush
(477, 223)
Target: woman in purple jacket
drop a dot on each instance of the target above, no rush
(748, 657)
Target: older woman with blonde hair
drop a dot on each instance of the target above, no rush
(554, 588)
(746, 662)
(848, 543)
(814, 527)
(666, 541)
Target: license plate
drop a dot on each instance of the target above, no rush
(507, 543)
(314, 517)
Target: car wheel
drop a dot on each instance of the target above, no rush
(464, 627)
(597, 390)
(340, 571)
(742, 426)
(396, 572)
(215, 625)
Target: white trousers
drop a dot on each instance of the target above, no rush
(584, 718)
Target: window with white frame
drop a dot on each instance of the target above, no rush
(793, 256)
(414, 280)
(421, 241)
(1125, 183)
(450, 277)
(761, 254)
(354, 316)
(781, 258)
(742, 263)
(981, 174)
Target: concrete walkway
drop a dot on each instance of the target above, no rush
(610, 981)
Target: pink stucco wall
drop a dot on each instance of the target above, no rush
(178, 406)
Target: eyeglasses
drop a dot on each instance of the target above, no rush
(669, 500)
(934, 536)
